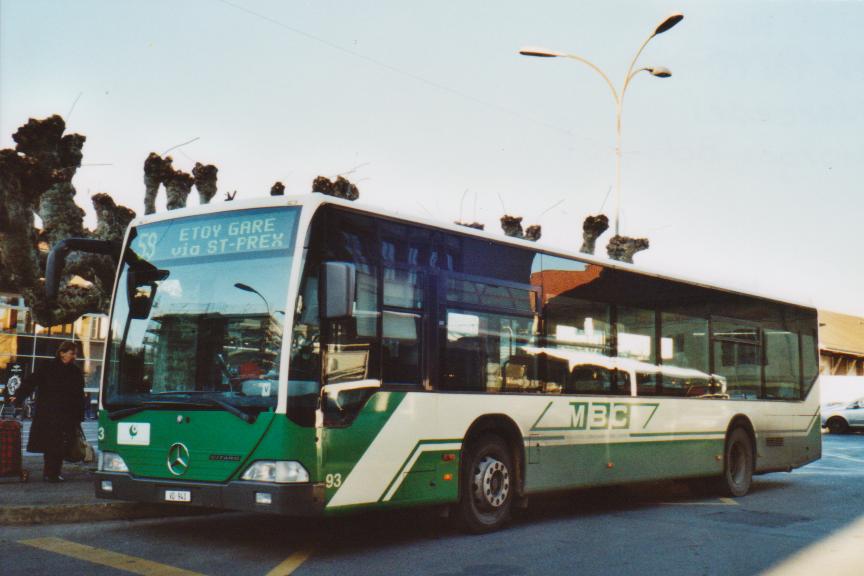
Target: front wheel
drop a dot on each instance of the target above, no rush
(837, 425)
(738, 463)
(488, 485)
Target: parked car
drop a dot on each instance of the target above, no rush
(839, 417)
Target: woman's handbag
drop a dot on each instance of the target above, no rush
(89, 454)
(78, 449)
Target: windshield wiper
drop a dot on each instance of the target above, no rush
(245, 416)
(123, 412)
(202, 403)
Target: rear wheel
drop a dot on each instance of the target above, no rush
(738, 462)
(488, 485)
(837, 425)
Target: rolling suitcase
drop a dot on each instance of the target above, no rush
(10, 450)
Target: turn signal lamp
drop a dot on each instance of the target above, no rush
(111, 462)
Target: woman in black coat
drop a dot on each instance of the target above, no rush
(59, 408)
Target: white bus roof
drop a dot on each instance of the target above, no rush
(314, 200)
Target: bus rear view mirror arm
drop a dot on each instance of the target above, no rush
(57, 259)
(339, 287)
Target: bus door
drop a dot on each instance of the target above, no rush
(373, 356)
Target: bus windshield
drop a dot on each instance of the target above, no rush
(199, 311)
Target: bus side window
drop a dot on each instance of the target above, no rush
(403, 326)
(646, 384)
(464, 357)
(554, 374)
(782, 365)
(622, 383)
(483, 353)
(590, 379)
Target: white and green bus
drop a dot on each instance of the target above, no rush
(307, 355)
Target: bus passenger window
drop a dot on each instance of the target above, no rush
(738, 357)
(782, 365)
(646, 384)
(401, 348)
(622, 383)
(486, 353)
(588, 379)
(554, 373)
(636, 334)
(401, 339)
(809, 361)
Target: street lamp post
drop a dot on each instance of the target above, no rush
(657, 71)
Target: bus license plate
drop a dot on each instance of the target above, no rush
(178, 496)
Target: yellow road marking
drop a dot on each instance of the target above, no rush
(291, 563)
(106, 557)
(729, 502)
(839, 554)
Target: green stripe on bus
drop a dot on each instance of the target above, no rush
(408, 459)
(587, 465)
(345, 447)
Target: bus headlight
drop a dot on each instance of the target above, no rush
(111, 462)
(279, 471)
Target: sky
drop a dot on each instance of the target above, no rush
(744, 169)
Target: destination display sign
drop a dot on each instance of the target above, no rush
(241, 232)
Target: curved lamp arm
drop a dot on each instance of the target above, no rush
(598, 70)
(545, 53)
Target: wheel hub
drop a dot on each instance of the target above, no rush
(491, 483)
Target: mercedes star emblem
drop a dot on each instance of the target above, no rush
(178, 459)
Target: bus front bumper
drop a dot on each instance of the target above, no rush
(290, 499)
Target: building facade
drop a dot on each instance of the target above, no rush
(26, 345)
(841, 344)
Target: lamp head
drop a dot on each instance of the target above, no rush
(671, 21)
(660, 72)
(245, 287)
(539, 52)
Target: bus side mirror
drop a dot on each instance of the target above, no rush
(141, 291)
(339, 287)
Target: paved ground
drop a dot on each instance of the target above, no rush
(657, 529)
(39, 502)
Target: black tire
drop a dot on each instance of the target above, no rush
(738, 463)
(837, 425)
(488, 485)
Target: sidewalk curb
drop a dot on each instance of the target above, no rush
(100, 511)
